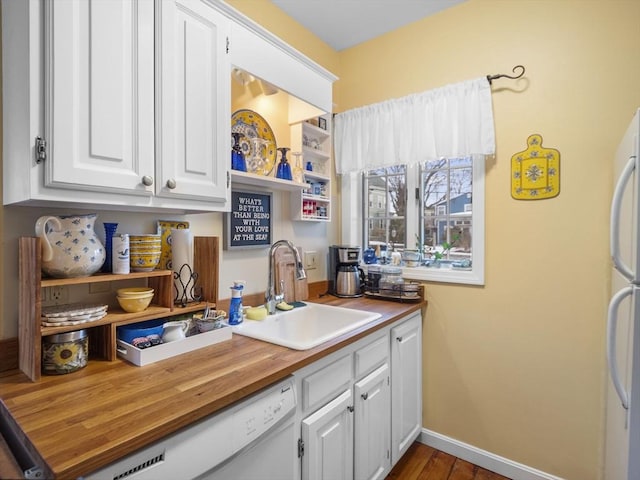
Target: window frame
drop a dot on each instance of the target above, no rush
(353, 199)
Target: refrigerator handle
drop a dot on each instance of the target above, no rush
(612, 323)
(614, 232)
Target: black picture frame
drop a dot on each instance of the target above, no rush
(322, 123)
(249, 223)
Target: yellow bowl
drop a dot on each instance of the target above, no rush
(145, 250)
(143, 262)
(134, 292)
(133, 305)
(145, 246)
(150, 237)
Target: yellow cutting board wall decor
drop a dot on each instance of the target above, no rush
(535, 172)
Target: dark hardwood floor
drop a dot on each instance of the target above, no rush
(422, 462)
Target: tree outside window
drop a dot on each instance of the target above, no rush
(446, 217)
(385, 219)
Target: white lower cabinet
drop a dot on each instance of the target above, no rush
(327, 436)
(361, 407)
(406, 385)
(372, 425)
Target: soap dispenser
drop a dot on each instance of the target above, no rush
(235, 306)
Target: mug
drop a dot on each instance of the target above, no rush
(176, 330)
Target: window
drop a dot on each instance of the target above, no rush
(445, 212)
(386, 188)
(444, 218)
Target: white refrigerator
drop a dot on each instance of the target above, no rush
(622, 447)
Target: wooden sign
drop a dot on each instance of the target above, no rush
(249, 222)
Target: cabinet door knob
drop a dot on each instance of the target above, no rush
(350, 408)
(365, 395)
(171, 184)
(399, 339)
(147, 181)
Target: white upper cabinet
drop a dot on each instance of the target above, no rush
(99, 97)
(193, 117)
(130, 96)
(133, 100)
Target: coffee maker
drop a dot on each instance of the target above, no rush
(345, 275)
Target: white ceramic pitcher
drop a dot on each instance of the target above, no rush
(70, 247)
(175, 330)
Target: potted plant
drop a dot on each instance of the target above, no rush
(446, 247)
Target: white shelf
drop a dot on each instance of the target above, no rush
(313, 218)
(245, 178)
(317, 198)
(319, 154)
(316, 176)
(317, 131)
(315, 154)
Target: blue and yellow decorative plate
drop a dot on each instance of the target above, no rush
(535, 172)
(251, 125)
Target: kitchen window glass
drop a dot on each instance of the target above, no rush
(444, 218)
(385, 217)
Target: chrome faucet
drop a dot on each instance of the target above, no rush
(270, 296)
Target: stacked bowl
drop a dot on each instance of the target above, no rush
(144, 252)
(134, 299)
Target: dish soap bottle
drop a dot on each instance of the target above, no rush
(235, 306)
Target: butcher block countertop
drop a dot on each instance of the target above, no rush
(79, 422)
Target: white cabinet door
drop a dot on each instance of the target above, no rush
(406, 385)
(328, 441)
(372, 425)
(193, 114)
(99, 100)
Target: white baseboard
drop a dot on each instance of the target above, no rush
(482, 458)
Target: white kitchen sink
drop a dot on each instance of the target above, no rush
(305, 327)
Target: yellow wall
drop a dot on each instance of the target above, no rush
(517, 367)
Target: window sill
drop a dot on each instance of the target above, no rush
(445, 274)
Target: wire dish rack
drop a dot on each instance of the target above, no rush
(405, 292)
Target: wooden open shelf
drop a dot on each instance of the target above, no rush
(102, 339)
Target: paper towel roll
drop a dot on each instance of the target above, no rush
(182, 254)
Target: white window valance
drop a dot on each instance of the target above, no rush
(454, 120)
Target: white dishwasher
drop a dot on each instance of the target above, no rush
(253, 440)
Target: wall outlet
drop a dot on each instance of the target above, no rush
(310, 260)
(55, 295)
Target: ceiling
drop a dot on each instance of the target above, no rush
(345, 23)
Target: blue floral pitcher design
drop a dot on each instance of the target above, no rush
(70, 247)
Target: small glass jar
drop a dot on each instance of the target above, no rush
(374, 274)
(391, 281)
(65, 352)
